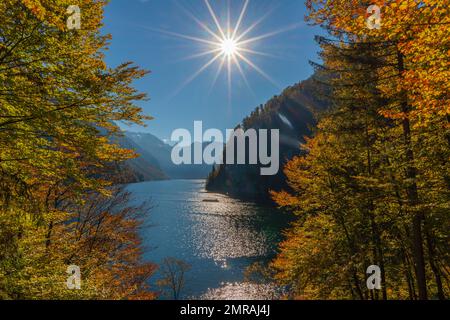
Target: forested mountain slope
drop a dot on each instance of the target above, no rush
(294, 113)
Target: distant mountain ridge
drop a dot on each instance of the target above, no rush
(294, 113)
(155, 161)
(143, 168)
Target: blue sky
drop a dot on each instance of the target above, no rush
(140, 34)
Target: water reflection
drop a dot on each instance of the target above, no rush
(243, 291)
(218, 236)
(220, 231)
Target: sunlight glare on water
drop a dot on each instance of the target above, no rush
(218, 236)
(224, 230)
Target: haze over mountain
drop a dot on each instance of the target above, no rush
(146, 167)
(155, 162)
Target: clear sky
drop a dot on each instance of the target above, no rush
(160, 36)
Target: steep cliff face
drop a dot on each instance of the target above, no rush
(294, 113)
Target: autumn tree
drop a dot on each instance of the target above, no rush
(375, 180)
(59, 104)
(173, 277)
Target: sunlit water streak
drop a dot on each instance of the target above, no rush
(218, 239)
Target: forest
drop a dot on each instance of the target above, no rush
(60, 200)
(372, 187)
(365, 150)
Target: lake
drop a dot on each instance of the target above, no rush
(219, 237)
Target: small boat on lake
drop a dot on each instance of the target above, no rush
(210, 200)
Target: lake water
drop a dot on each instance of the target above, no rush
(219, 240)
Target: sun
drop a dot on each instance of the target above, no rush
(229, 47)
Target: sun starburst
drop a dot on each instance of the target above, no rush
(229, 47)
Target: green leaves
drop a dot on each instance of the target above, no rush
(58, 105)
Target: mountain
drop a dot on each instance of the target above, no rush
(144, 168)
(158, 153)
(294, 113)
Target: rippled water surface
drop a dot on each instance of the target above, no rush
(217, 235)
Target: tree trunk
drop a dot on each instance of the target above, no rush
(376, 238)
(413, 197)
(432, 261)
(409, 279)
(48, 235)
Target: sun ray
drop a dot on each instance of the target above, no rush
(241, 16)
(270, 34)
(196, 74)
(213, 15)
(229, 80)
(229, 44)
(184, 36)
(241, 71)
(228, 21)
(253, 26)
(259, 53)
(200, 23)
(200, 54)
(216, 76)
(258, 69)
